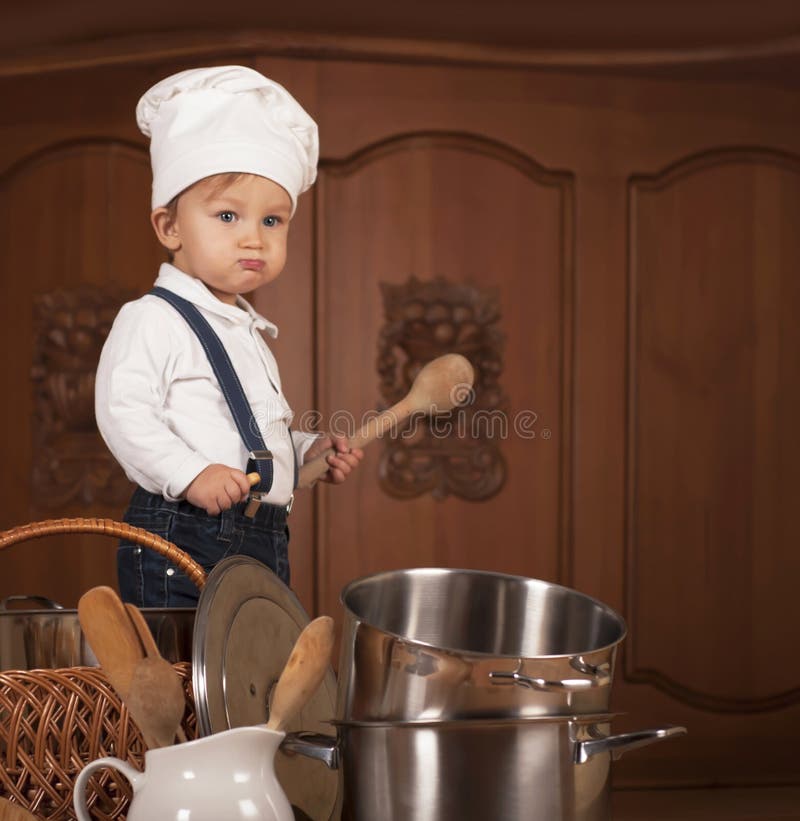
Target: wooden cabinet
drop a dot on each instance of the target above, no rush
(637, 237)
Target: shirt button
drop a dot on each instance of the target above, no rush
(170, 571)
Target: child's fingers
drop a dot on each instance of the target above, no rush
(337, 476)
(346, 461)
(342, 446)
(230, 494)
(242, 484)
(340, 466)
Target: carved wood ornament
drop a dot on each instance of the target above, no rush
(71, 464)
(454, 452)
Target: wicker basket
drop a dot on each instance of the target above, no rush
(54, 722)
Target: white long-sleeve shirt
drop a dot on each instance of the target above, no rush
(159, 406)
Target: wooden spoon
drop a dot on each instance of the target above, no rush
(156, 700)
(441, 385)
(13, 812)
(303, 672)
(110, 634)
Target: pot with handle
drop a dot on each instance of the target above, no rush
(45, 635)
(443, 644)
(538, 769)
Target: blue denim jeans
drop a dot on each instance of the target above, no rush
(147, 579)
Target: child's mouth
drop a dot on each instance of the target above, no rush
(252, 264)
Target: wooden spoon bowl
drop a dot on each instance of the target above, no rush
(156, 699)
(441, 385)
(303, 672)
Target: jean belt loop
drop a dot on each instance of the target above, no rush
(226, 522)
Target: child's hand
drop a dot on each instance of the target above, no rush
(218, 488)
(341, 463)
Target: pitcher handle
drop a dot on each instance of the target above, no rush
(79, 795)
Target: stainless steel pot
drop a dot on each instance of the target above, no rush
(442, 644)
(49, 636)
(533, 769)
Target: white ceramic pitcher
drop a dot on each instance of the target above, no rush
(229, 775)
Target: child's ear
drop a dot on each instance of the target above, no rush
(164, 225)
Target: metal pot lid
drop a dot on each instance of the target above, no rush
(246, 625)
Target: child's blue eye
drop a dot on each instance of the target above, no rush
(226, 216)
(271, 222)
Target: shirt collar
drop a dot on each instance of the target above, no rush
(195, 290)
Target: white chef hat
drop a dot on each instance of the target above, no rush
(224, 119)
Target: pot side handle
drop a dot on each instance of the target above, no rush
(531, 683)
(79, 793)
(324, 748)
(617, 745)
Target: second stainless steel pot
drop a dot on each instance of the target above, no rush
(442, 644)
(535, 769)
(50, 636)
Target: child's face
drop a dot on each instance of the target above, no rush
(233, 238)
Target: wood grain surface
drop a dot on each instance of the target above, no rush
(640, 235)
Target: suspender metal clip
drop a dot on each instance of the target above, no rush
(258, 455)
(256, 499)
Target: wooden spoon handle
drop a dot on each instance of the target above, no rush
(373, 428)
(303, 672)
(146, 637)
(441, 385)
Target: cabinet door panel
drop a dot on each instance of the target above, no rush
(424, 207)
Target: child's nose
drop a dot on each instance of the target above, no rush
(251, 236)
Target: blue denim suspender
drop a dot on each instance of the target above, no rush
(260, 457)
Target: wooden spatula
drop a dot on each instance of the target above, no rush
(13, 812)
(110, 634)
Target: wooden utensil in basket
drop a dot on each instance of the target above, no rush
(159, 674)
(13, 812)
(54, 722)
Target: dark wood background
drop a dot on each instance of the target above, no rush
(641, 236)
